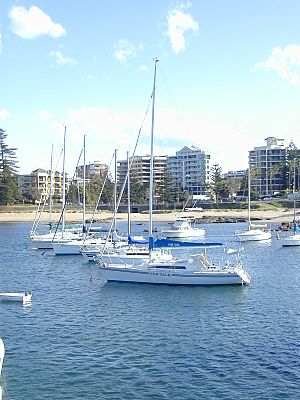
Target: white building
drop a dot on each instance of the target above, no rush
(190, 169)
(267, 164)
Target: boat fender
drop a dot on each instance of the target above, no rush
(105, 265)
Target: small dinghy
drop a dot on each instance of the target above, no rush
(25, 297)
(2, 352)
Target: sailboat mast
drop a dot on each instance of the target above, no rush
(64, 183)
(128, 195)
(294, 185)
(51, 188)
(83, 189)
(151, 154)
(115, 196)
(249, 196)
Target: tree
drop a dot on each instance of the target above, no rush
(138, 190)
(9, 192)
(218, 186)
(166, 190)
(95, 186)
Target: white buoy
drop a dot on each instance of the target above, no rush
(2, 351)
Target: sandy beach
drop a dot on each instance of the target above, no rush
(278, 215)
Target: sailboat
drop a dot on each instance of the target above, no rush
(45, 241)
(70, 245)
(133, 250)
(254, 232)
(196, 270)
(293, 240)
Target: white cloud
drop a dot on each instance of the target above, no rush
(44, 114)
(108, 130)
(61, 59)
(4, 114)
(33, 22)
(143, 67)
(179, 23)
(124, 50)
(285, 62)
(93, 77)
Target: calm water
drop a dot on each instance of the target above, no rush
(81, 339)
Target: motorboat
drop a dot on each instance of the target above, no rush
(182, 228)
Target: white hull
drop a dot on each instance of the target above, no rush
(44, 242)
(2, 352)
(73, 247)
(166, 276)
(254, 235)
(182, 229)
(181, 234)
(24, 297)
(291, 241)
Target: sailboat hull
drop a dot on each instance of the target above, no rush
(291, 241)
(253, 235)
(169, 276)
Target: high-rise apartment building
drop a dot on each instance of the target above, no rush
(140, 169)
(94, 168)
(190, 169)
(267, 164)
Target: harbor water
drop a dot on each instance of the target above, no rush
(83, 339)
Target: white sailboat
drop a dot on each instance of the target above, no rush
(45, 241)
(255, 232)
(293, 240)
(75, 247)
(196, 270)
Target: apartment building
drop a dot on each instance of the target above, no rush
(267, 164)
(140, 169)
(190, 169)
(94, 168)
(40, 180)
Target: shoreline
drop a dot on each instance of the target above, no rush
(280, 215)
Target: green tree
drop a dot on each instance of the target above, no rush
(9, 191)
(138, 190)
(218, 186)
(95, 187)
(72, 195)
(167, 189)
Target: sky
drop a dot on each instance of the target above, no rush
(228, 77)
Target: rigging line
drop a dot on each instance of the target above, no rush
(127, 174)
(37, 218)
(99, 198)
(168, 90)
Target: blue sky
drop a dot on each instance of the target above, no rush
(228, 77)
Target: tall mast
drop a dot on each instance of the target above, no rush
(51, 188)
(294, 195)
(83, 189)
(151, 154)
(128, 196)
(64, 183)
(115, 196)
(249, 195)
